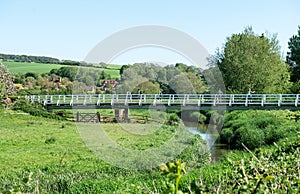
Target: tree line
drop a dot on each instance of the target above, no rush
(247, 60)
(46, 60)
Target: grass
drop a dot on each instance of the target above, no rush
(23, 139)
(53, 154)
(114, 66)
(50, 156)
(113, 73)
(24, 67)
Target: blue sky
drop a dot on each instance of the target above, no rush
(70, 29)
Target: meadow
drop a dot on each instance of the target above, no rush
(24, 67)
(50, 156)
(54, 155)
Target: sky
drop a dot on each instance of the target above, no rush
(71, 29)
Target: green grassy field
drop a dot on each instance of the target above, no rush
(39, 155)
(114, 66)
(50, 155)
(24, 67)
(113, 73)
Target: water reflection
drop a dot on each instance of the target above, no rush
(216, 149)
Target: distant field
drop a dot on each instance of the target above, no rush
(24, 67)
(113, 73)
(114, 66)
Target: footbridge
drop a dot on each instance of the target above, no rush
(169, 101)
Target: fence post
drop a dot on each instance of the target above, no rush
(98, 116)
(77, 117)
(279, 100)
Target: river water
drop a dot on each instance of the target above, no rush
(216, 149)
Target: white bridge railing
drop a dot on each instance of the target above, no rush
(168, 99)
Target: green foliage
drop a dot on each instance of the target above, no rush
(293, 56)
(38, 155)
(257, 128)
(250, 60)
(29, 59)
(296, 87)
(267, 170)
(147, 87)
(196, 154)
(226, 135)
(174, 172)
(65, 165)
(123, 68)
(35, 109)
(32, 74)
(251, 137)
(69, 72)
(172, 79)
(173, 119)
(6, 84)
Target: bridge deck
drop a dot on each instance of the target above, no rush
(175, 101)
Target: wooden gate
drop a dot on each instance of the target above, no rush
(88, 117)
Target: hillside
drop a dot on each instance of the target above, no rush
(42, 64)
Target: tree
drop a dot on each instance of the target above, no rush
(293, 56)
(147, 87)
(249, 60)
(6, 84)
(198, 84)
(69, 72)
(182, 85)
(123, 68)
(32, 74)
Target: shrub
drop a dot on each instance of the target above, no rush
(266, 170)
(35, 109)
(226, 135)
(196, 154)
(251, 137)
(255, 128)
(173, 119)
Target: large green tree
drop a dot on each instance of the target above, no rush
(293, 59)
(250, 60)
(293, 56)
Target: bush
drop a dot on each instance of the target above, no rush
(35, 109)
(266, 170)
(173, 119)
(251, 137)
(226, 135)
(196, 154)
(255, 128)
(296, 87)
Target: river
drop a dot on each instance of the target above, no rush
(216, 149)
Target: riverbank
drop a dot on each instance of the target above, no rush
(49, 156)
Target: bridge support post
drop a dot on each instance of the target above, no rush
(186, 116)
(121, 114)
